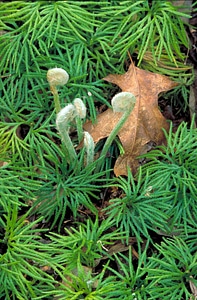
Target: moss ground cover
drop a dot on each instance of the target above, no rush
(69, 228)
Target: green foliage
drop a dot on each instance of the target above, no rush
(131, 281)
(31, 45)
(38, 36)
(173, 168)
(171, 272)
(81, 283)
(190, 237)
(41, 187)
(42, 24)
(17, 186)
(141, 207)
(182, 91)
(114, 151)
(85, 244)
(21, 264)
(26, 127)
(155, 27)
(62, 189)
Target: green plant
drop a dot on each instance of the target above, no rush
(17, 185)
(65, 116)
(21, 263)
(85, 243)
(131, 279)
(124, 103)
(10, 141)
(42, 24)
(173, 168)
(171, 272)
(77, 253)
(56, 77)
(140, 208)
(81, 283)
(89, 146)
(63, 190)
(41, 186)
(114, 150)
(181, 91)
(26, 127)
(27, 50)
(80, 114)
(155, 27)
(63, 120)
(190, 237)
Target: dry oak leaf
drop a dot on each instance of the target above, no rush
(144, 125)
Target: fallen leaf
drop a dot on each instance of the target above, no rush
(144, 125)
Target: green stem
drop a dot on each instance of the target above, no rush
(111, 137)
(79, 128)
(90, 156)
(56, 99)
(67, 142)
(66, 115)
(89, 146)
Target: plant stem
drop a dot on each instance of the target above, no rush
(81, 113)
(112, 136)
(67, 142)
(79, 128)
(89, 145)
(66, 115)
(56, 98)
(122, 102)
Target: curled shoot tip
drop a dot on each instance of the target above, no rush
(57, 76)
(123, 101)
(89, 146)
(65, 116)
(80, 108)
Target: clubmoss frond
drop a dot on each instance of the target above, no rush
(172, 270)
(141, 208)
(173, 168)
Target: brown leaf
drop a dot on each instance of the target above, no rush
(145, 122)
